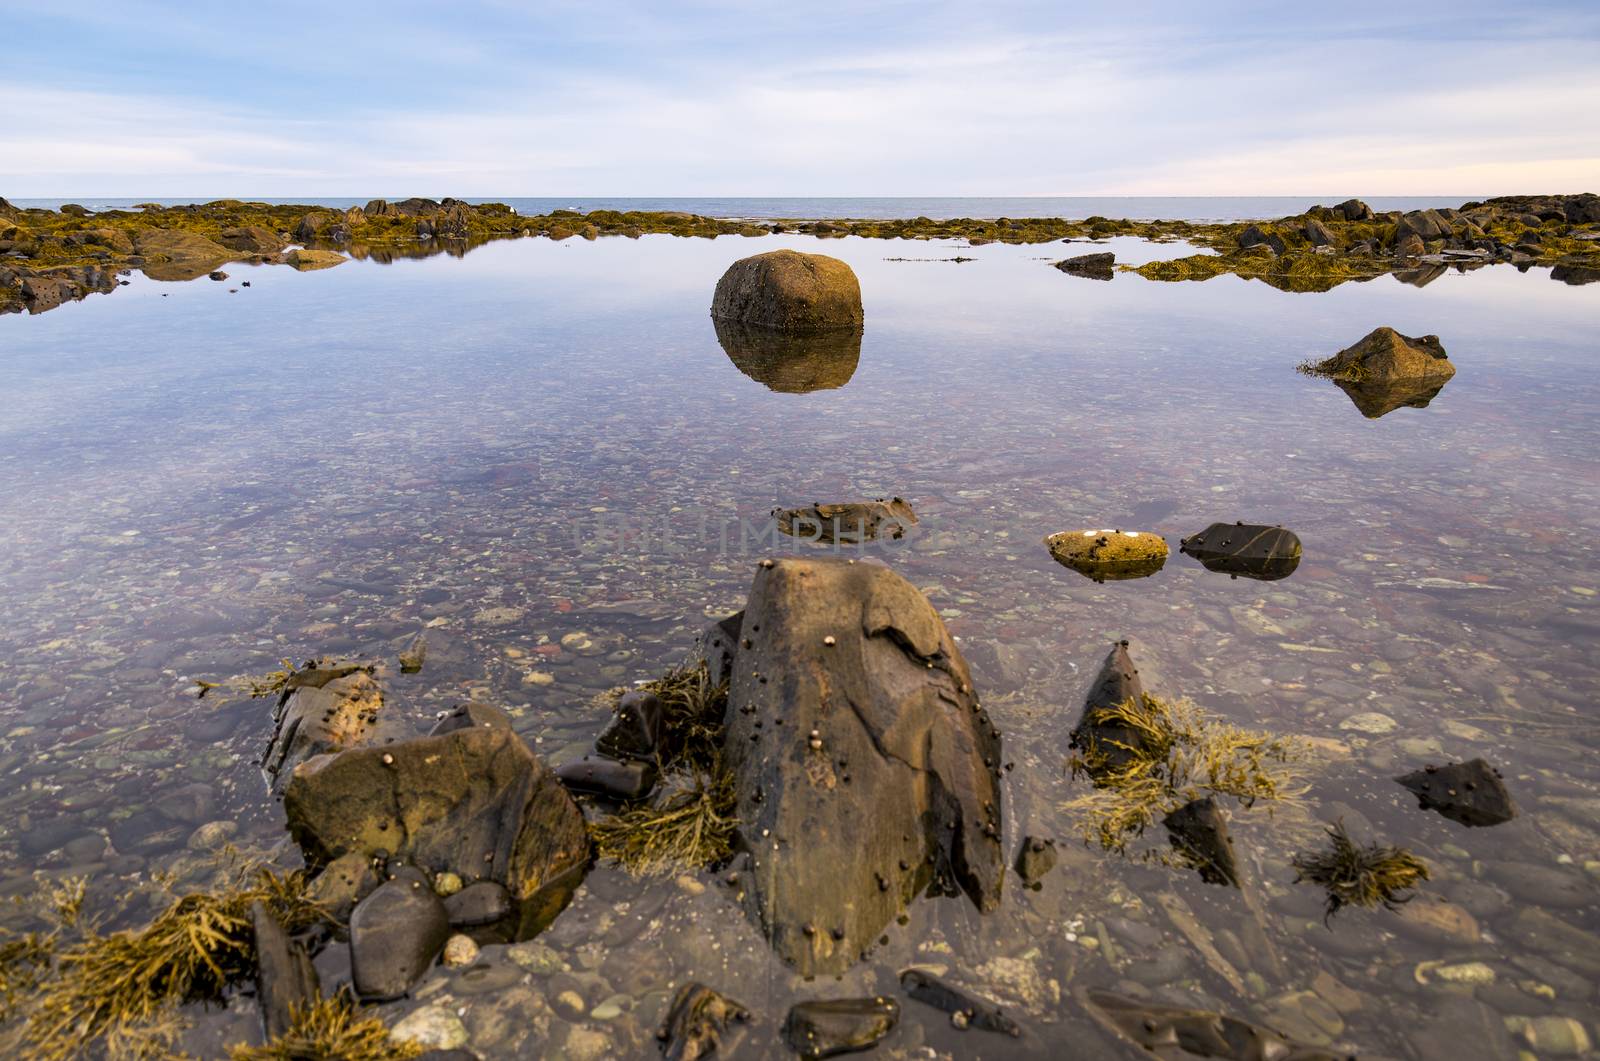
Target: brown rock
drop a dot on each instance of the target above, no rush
(253, 238)
(791, 291)
(172, 254)
(1386, 356)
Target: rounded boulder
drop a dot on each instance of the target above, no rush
(791, 291)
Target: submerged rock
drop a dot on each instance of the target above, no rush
(1109, 555)
(1471, 793)
(699, 1023)
(1198, 832)
(415, 654)
(791, 363)
(1247, 549)
(1386, 356)
(966, 1011)
(395, 934)
(791, 291)
(1035, 858)
(839, 1026)
(849, 522)
(285, 977)
(469, 798)
(1171, 1033)
(1093, 266)
(864, 767)
(482, 903)
(609, 778)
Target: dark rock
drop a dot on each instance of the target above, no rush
(252, 238)
(327, 708)
(635, 729)
(1248, 549)
(1093, 266)
(306, 228)
(473, 714)
(42, 293)
(839, 1026)
(472, 800)
(700, 1023)
(791, 291)
(482, 903)
(395, 934)
(1575, 275)
(1426, 224)
(1254, 236)
(1471, 793)
(719, 645)
(965, 1010)
(1198, 832)
(1035, 858)
(1409, 245)
(342, 883)
(1117, 683)
(285, 978)
(219, 275)
(791, 363)
(864, 766)
(1319, 234)
(610, 779)
(75, 210)
(1355, 210)
(1386, 356)
(1381, 399)
(850, 522)
(1168, 1032)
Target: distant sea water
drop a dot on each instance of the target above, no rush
(1136, 207)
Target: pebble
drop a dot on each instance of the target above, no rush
(460, 951)
(446, 884)
(1369, 722)
(689, 886)
(212, 835)
(536, 957)
(432, 1028)
(586, 1044)
(1552, 1036)
(569, 1004)
(609, 1009)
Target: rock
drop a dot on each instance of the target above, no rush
(791, 362)
(1386, 356)
(1355, 210)
(75, 210)
(861, 756)
(1576, 275)
(325, 708)
(1113, 744)
(172, 254)
(342, 883)
(719, 645)
(699, 1023)
(1409, 245)
(42, 293)
(1109, 554)
(415, 654)
(1435, 920)
(114, 238)
(285, 978)
(307, 260)
(635, 728)
(1093, 266)
(1198, 832)
(306, 228)
(965, 1010)
(839, 1026)
(1471, 793)
(1319, 234)
(1461, 1029)
(219, 275)
(211, 835)
(1425, 224)
(1545, 886)
(1302, 1015)
(431, 1027)
(460, 951)
(469, 798)
(851, 522)
(1255, 236)
(1566, 943)
(482, 903)
(1035, 858)
(1556, 1036)
(791, 291)
(1170, 1032)
(253, 239)
(609, 779)
(1248, 549)
(395, 934)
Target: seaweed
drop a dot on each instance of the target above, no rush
(330, 1028)
(1176, 753)
(1364, 875)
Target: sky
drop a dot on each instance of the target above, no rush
(877, 97)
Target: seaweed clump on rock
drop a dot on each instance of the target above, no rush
(1365, 875)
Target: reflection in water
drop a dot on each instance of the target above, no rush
(788, 362)
(1263, 553)
(1379, 398)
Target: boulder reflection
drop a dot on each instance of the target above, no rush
(791, 363)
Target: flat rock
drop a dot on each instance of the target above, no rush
(966, 1010)
(1094, 266)
(1171, 1033)
(1109, 555)
(839, 1026)
(1245, 549)
(1471, 793)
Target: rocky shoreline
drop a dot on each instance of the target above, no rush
(51, 257)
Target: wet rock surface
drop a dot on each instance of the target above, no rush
(395, 934)
(850, 522)
(839, 1026)
(285, 978)
(1035, 857)
(1471, 793)
(1198, 832)
(1386, 356)
(790, 291)
(1245, 549)
(609, 778)
(1109, 555)
(325, 708)
(634, 731)
(701, 1023)
(482, 903)
(1094, 266)
(966, 1010)
(865, 768)
(1116, 683)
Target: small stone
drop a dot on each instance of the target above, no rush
(569, 1004)
(536, 957)
(1369, 722)
(587, 1044)
(1556, 1036)
(212, 835)
(610, 1009)
(689, 886)
(460, 951)
(432, 1028)
(446, 884)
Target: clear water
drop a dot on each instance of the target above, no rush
(195, 484)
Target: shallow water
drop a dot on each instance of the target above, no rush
(546, 438)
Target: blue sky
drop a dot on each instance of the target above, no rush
(480, 98)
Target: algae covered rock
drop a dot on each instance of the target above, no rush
(864, 767)
(256, 239)
(1109, 555)
(791, 362)
(325, 707)
(305, 260)
(1198, 832)
(1386, 356)
(172, 254)
(1093, 266)
(470, 798)
(848, 522)
(1245, 549)
(791, 291)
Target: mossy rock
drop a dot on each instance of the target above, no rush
(1386, 356)
(790, 291)
(1108, 555)
(306, 260)
(173, 254)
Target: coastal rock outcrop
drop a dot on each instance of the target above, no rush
(253, 239)
(1386, 356)
(864, 766)
(791, 291)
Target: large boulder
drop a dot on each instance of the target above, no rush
(1386, 356)
(791, 291)
(865, 768)
(1427, 224)
(791, 362)
(254, 239)
(469, 798)
(172, 254)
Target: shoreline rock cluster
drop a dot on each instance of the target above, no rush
(51, 257)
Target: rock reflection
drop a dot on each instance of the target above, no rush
(791, 363)
(1380, 399)
(1245, 550)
